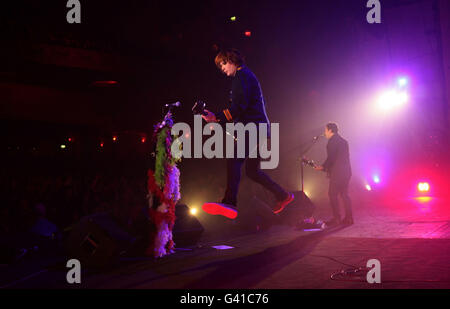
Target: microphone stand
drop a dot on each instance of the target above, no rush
(167, 120)
(167, 116)
(302, 164)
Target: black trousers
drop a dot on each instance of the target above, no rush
(254, 172)
(339, 187)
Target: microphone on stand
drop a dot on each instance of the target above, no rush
(176, 104)
(169, 113)
(317, 137)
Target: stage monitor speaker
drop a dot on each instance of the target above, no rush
(187, 230)
(98, 241)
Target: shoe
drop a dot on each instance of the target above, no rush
(347, 221)
(226, 210)
(309, 225)
(279, 207)
(332, 223)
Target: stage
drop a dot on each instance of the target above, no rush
(410, 239)
(120, 122)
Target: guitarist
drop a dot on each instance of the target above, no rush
(337, 165)
(246, 106)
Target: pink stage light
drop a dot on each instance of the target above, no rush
(423, 199)
(423, 187)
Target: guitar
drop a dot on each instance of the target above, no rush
(309, 162)
(199, 109)
(313, 165)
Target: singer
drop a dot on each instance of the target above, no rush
(337, 166)
(246, 106)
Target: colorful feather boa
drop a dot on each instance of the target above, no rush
(164, 184)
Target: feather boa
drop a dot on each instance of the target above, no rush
(172, 180)
(164, 184)
(161, 157)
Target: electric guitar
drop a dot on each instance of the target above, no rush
(313, 165)
(309, 162)
(199, 109)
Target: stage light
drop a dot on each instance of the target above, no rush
(69, 139)
(402, 98)
(402, 81)
(114, 138)
(248, 33)
(102, 144)
(387, 100)
(143, 140)
(368, 187)
(423, 199)
(376, 179)
(392, 99)
(63, 146)
(233, 18)
(193, 211)
(105, 83)
(423, 186)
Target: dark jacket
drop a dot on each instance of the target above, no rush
(337, 164)
(246, 103)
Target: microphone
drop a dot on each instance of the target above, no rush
(176, 104)
(317, 137)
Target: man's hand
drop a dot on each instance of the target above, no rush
(209, 117)
(318, 167)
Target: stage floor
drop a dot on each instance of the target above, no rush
(410, 238)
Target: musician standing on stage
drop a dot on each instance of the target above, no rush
(247, 106)
(337, 166)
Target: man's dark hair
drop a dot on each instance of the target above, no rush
(230, 55)
(332, 127)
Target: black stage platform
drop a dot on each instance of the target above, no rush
(410, 238)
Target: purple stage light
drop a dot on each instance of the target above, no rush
(392, 99)
(376, 179)
(402, 81)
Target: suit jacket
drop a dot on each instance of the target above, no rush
(246, 102)
(337, 164)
